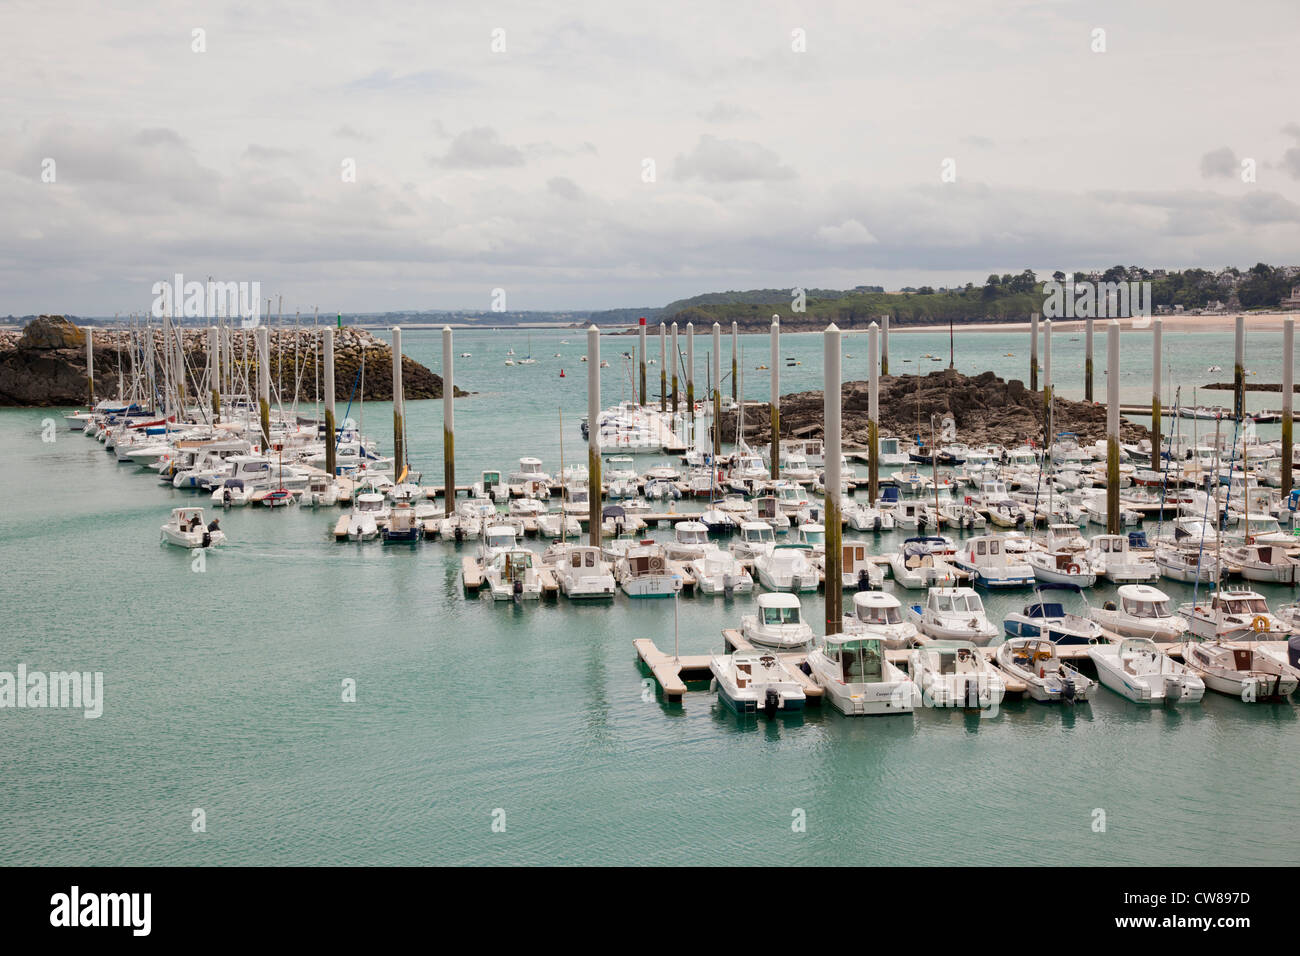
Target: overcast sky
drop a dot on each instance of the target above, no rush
(524, 169)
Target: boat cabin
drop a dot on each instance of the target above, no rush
(370, 502)
(491, 480)
(1144, 601)
(692, 532)
(877, 607)
(955, 601)
(861, 660)
(756, 532)
(499, 537)
(779, 610)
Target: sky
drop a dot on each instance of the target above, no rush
(617, 154)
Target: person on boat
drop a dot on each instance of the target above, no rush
(195, 523)
(213, 525)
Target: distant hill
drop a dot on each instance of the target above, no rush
(756, 297)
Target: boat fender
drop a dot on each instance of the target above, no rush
(1072, 569)
(1109, 606)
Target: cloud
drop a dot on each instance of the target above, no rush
(1292, 129)
(1291, 162)
(848, 233)
(479, 148)
(265, 154)
(726, 113)
(348, 132)
(730, 161)
(1219, 163)
(564, 187)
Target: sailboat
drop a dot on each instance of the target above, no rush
(528, 359)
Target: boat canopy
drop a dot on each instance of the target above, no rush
(861, 659)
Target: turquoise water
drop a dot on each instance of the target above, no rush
(223, 688)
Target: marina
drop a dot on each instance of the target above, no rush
(709, 622)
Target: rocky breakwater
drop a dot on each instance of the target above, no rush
(45, 363)
(984, 408)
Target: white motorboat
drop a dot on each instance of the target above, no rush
(556, 524)
(756, 538)
(642, 572)
(1234, 615)
(1189, 565)
(787, 568)
(367, 511)
(581, 571)
(953, 614)
(529, 470)
(879, 614)
(855, 674)
(1245, 672)
(232, 493)
(1138, 670)
(1143, 611)
(1061, 567)
(186, 529)
(955, 674)
(512, 575)
(460, 527)
(923, 563)
(1113, 558)
(1047, 677)
(496, 538)
(321, 492)
(690, 541)
(865, 518)
(857, 569)
(1267, 563)
(778, 623)
(526, 508)
(752, 680)
(767, 509)
(719, 572)
(991, 563)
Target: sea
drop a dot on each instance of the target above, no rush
(507, 734)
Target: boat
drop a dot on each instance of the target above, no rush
(862, 517)
(690, 541)
(186, 529)
(1047, 678)
(855, 674)
(1247, 673)
(511, 575)
(756, 538)
(581, 572)
(642, 572)
(1267, 563)
(778, 623)
(922, 562)
(786, 568)
(1138, 670)
(986, 558)
(1114, 559)
(556, 524)
(878, 614)
(1189, 565)
(488, 485)
(1234, 615)
(367, 511)
(1143, 611)
(752, 680)
(1064, 559)
(402, 526)
(857, 568)
(953, 614)
(1048, 619)
(955, 674)
(719, 572)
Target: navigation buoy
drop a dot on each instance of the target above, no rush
(561, 373)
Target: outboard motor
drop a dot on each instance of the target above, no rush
(875, 524)
(1020, 520)
(972, 693)
(518, 588)
(225, 498)
(207, 538)
(1067, 690)
(771, 702)
(459, 533)
(922, 522)
(728, 585)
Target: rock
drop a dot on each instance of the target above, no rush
(51, 332)
(984, 407)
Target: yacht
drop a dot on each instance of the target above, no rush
(1247, 673)
(953, 614)
(642, 572)
(786, 569)
(512, 575)
(858, 678)
(581, 571)
(778, 623)
(719, 572)
(1143, 611)
(987, 559)
(1048, 619)
(1234, 615)
(879, 615)
(1138, 670)
(922, 562)
(1114, 559)
(756, 538)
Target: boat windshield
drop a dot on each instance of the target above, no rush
(759, 535)
(1244, 605)
(1045, 609)
(815, 537)
(780, 615)
(1153, 609)
(880, 615)
(692, 536)
(862, 662)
